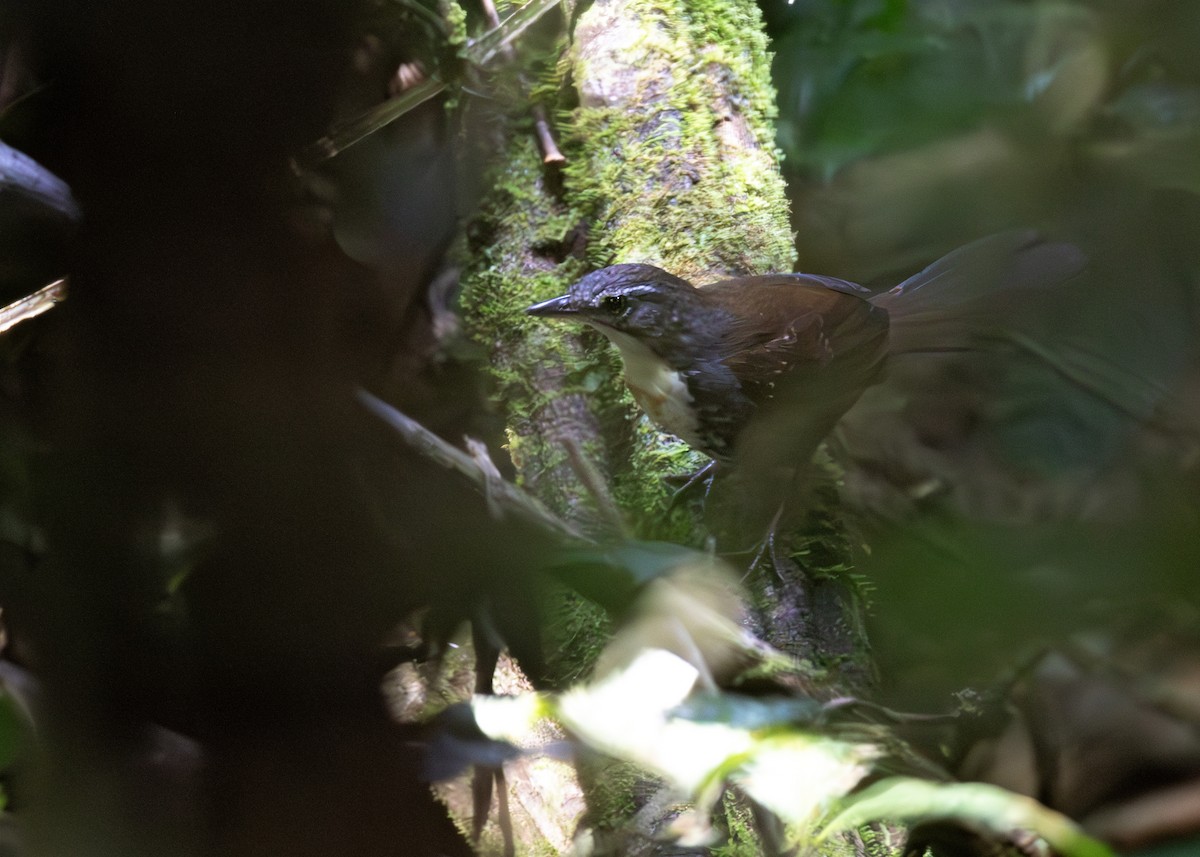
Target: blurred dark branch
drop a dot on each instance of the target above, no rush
(592, 479)
(479, 52)
(31, 306)
(502, 494)
(346, 134)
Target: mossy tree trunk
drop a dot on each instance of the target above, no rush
(666, 118)
(666, 124)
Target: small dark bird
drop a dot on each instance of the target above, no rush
(747, 364)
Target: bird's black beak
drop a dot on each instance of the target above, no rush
(558, 307)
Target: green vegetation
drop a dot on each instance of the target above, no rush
(214, 551)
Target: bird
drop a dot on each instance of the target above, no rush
(759, 369)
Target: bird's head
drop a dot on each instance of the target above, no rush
(641, 301)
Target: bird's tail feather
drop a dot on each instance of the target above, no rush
(1018, 259)
(1040, 413)
(974, 291)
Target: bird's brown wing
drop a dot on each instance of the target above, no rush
(790, 331)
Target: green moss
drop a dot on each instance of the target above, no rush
(455, 19)
(611, 787)
(675, 173)
(784, 670)
(821, 548)
(741, 838)
(507, 273)
(820, 544)
(574, 634)
(644, 493)
(504, 278)
(879, 841)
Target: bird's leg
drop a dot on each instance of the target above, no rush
(705, 474)
(768, 545)
(736, 513)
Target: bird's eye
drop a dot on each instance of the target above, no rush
(615, 304)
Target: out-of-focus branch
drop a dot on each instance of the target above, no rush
(31, 306)
(497, 40)
(355, 130)
(501, 494)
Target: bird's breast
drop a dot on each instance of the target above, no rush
(662, 392)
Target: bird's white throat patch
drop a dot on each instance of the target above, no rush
(660, 390)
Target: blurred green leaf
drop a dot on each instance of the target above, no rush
(909, 800)
(861, 77)
(1177, 848)
(748, 712)
(15, 732)
(613, 576)
(1159, 107)
(1152, 131)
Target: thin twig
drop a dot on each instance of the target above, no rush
(504, 494)
(501, 35)
(541, 126)
(551, 154)
(490, 13)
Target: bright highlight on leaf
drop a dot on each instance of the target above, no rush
(628, 715)
(799, 776)
(509, 718)
(654, 703)
(635, 714)
(650, 713)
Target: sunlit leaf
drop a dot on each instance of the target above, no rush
(626, 715)
(639, 715)
(509, 718)
(799, 776)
